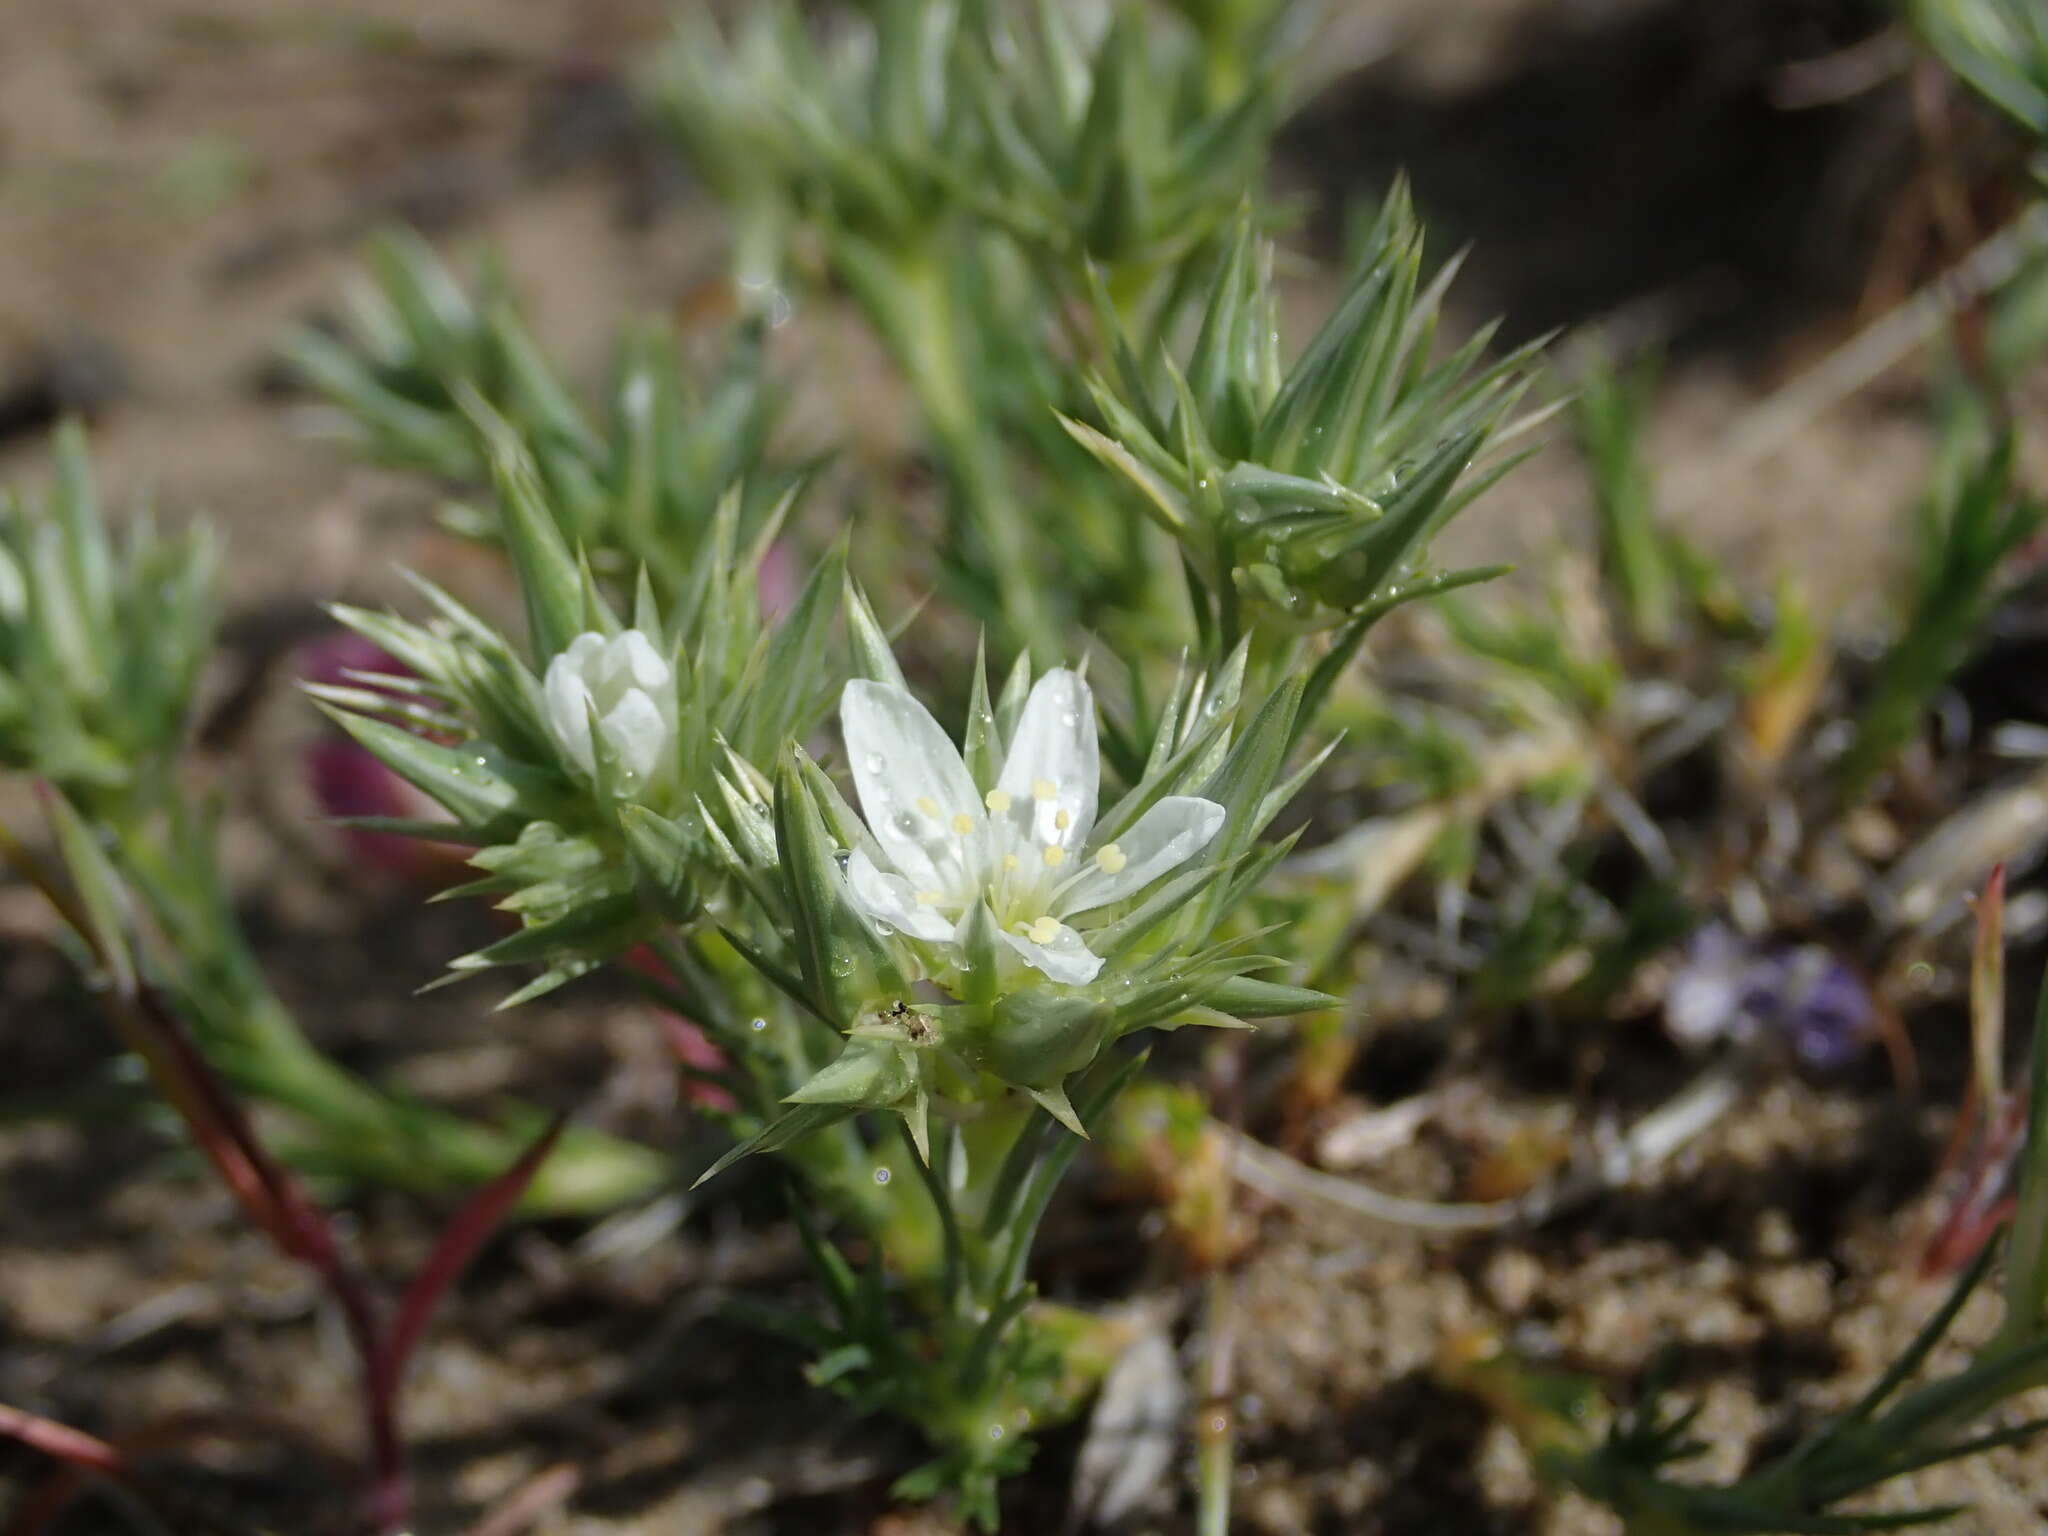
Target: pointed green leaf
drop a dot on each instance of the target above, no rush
(782, 700)
(844, 963)
(873, 659)
(100, 892)
(1054, 1102)
(785, 1130)
(548, 572)
(462, 779)
(1250, 998)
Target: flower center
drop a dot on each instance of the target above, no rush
(1015, 857)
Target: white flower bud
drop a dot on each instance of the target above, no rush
(629, 688)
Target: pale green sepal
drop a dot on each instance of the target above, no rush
(980, 956)
(982, 746)
(1054, 1102)
(1037, 1039)
(868, 1074)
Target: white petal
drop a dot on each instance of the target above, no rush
(584, 650)
(637, 733)
(1163, 839)
(1067, 958)
(632, 660)
(568, 702)
(1054, 764)
(911, 781)
(889, 899)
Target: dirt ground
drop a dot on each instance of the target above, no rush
(180, 182)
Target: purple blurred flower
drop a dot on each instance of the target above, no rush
(1732, 988)
(347, 781)
(1708, 998)
(1823, 1008)
(337, 654)
(778, 582)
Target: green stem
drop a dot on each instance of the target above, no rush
(1216, 1434)
(357, 1129)
(954, 1273)
(1229, 611)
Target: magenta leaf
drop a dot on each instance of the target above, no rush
(73, 1447)
(475, 1222)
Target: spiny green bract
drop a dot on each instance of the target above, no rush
(424, 363)
(100, 642)
(976, 928)
(589, 852)
(1306, 498)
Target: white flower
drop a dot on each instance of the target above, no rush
(630, 689)
(1022, 847)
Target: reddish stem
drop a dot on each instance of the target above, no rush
(277, 1204)
(73, 1447)
(302, 1230)
(458, 1245)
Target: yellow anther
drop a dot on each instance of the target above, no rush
(1063, 819)
(1055, 855)
(928, 805)
(997, 800)
(1011, 861)
(929, 898)
(963, 823)
(1045, 930)
(1043, 789)
(1109, 858)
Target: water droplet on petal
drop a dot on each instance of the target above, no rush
(873, 762)
(881, 1175)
